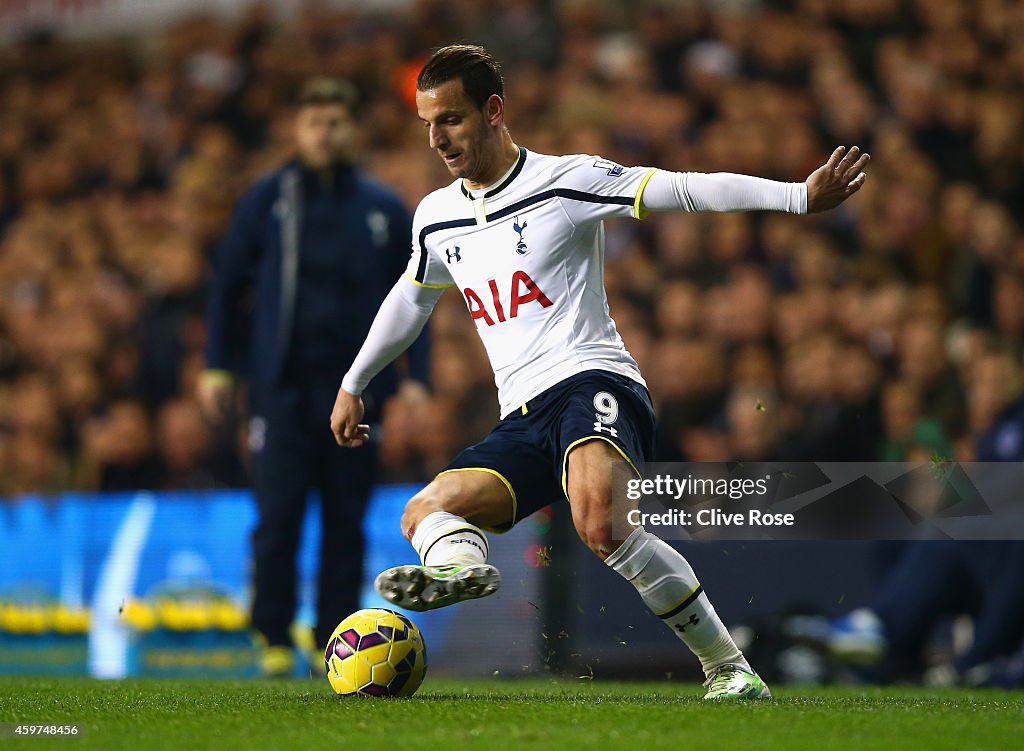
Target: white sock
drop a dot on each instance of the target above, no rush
(442, 538)
(668, 586)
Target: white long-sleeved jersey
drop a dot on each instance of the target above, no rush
(527, 255)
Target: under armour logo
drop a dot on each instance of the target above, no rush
(693, 621)
(600, 427)
(521, 245)
(456, 254)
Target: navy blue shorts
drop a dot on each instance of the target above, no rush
(528, 449)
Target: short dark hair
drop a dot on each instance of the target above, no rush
(479, 72)
(325, 90)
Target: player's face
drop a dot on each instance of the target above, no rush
(459, 131)
(324, 133)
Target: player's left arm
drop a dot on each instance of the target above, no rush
(592, 188)
(825, 188)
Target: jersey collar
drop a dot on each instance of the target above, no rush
(504, 182)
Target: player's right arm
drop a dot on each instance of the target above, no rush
(398, 322)
(401, 318)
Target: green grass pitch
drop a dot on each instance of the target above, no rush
(520, 715)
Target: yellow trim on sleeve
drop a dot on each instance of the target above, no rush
(429, 286)
(525, 409)
(505, 482)
(639, 212)
(584, 439)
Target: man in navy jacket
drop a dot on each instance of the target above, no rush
(312, 250)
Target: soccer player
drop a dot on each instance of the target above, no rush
(521, 235)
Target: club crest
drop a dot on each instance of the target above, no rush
(521, 245)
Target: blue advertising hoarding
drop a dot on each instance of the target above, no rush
(97, 552)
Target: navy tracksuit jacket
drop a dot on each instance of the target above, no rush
(306, 262)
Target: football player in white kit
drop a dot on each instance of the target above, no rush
(521, 236)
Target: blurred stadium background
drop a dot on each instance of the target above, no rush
(890, 329)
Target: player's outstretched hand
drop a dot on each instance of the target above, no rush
(836, 180)
(348, 411)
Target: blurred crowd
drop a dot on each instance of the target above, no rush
(889, 329)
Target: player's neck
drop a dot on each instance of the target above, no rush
(507, 157)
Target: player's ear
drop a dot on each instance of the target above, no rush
(494, 110)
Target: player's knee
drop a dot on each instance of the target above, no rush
(445, 493)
